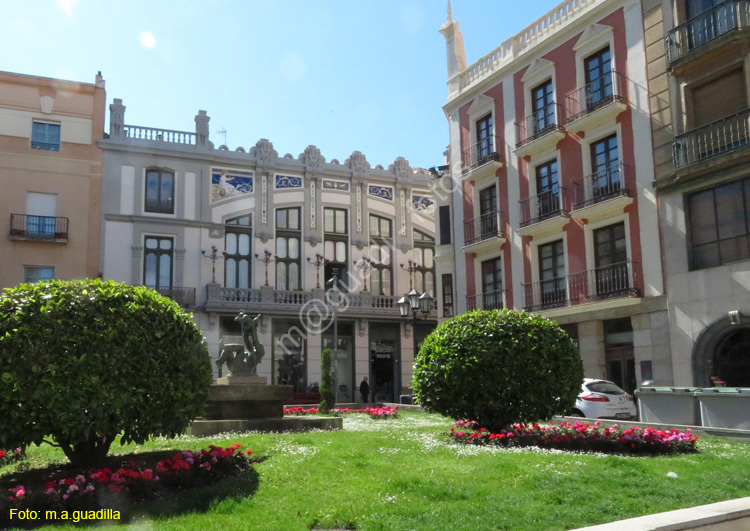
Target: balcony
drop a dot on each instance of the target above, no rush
(185, 297)
(706, 28)
(483, 232)
(602, 193)
(540, 130)
(596, 103)
(545, 212)
(285, 302)
(156, 206)
(492, 300)
(723, 136)
(601, 284)
(38, 228)
(481, 160)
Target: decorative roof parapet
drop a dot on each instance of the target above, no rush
(264, 154)
(358, 164)
(534, 34)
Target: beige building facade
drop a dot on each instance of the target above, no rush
(50, 177)
(698, 66)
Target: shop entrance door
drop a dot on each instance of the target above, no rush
(382, 356)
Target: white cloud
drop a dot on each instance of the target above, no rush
(67, 6)
(292, 66)
(148, 40)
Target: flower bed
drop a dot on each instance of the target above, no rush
(134, 481)
(581, 437)
(378, 412)
(10, 456)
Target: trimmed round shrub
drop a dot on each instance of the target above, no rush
(498, 367)
(84, 361)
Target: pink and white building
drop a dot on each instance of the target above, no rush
(546, 203)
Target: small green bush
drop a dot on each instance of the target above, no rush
(328, 401)
(498, 367)
(85, 361)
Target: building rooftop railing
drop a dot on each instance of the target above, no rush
(163, 135)
(534, 34)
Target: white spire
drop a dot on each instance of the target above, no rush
(450, 12)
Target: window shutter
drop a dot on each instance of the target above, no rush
(719, 98)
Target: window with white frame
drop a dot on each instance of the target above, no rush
(288, 244)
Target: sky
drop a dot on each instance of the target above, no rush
(343, 75)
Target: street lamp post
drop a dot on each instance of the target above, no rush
(266, 259)
(415, 302)
(318, 262)
(214, 256)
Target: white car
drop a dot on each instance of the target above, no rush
(602, 399)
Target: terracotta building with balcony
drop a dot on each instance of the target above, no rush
(698, 64)
(222, 231)
(50, 177)
(546, 202)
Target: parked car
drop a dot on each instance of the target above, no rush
(602, 399)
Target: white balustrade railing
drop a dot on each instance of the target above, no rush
(138, 132)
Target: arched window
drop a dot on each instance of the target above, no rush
(732, 359)
(238, 252)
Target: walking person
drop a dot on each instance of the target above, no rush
(364, 389)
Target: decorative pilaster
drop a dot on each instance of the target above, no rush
(201, 129)
(313, 206)
(359, 207)
(264, 199)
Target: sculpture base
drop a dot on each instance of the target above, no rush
(242, 380)
(247, 402)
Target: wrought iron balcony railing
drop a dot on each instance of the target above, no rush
(185, 297)
(604, 184)
(28, 227)
(159, 207)
(539, 123)
(484, 151)
(712, 139)
(491, 300)
(599, 93)
(482, 228)
(543, 206)
(706, 27)
(602, 283)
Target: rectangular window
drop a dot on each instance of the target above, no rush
(447, 283)
(611, 260)
(605, 166)
(424, 253)
(485, 138)
(37, 273)
(41, 210)
(45, 136)
(159, 192)
(547, 189)
(488, 212)
(237, 252)
(718, 225)
(719, 98)
(542, 107)
(444, 213)
(288, 245)
(157, 262)
(492, 284)
(552, 274)
(336, 245)
(381, 249)
(598, 71)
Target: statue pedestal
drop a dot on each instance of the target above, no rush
(242, 380)
(238, 401)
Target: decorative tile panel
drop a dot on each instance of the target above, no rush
(229, 183)
(287, 181)
(402, 200)
(383, 192)
(341, 186)
(313, 193)
(423, 205)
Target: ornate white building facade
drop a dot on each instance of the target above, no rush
(222, 231)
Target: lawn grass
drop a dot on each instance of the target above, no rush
(402, 474)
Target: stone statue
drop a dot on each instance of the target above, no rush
(243, 359)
